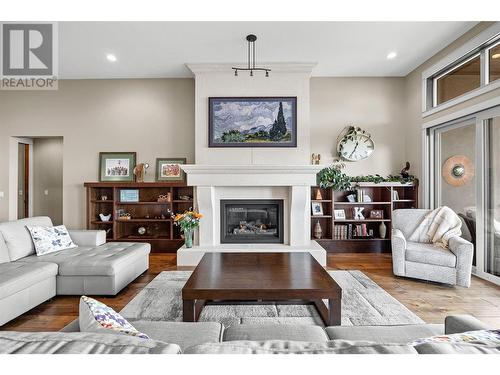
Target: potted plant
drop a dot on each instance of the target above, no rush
(188, 221)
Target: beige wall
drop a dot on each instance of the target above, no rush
(413, 93)
(48, 177)
(375, 104)
(154, 117)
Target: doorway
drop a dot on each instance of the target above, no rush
(23, 180)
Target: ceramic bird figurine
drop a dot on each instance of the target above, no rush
(404, 171)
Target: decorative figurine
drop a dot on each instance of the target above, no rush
(358, 215)
(405, 171)
(140, 171)
(318, 195)
(315, 158)
(105, 217)
(318, 232)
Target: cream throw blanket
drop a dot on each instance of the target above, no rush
(438, 227)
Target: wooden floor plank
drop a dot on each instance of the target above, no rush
(430, 301)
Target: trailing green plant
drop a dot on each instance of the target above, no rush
(333, 177)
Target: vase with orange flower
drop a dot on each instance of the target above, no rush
(188, 222)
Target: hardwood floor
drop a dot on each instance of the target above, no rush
(431, 302)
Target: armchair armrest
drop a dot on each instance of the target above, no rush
(462, 323)
(398, 252)
(88, 237)
(463, 251)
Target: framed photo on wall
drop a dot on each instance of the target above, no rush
(252, 122)
(117, 166)
(168, 169)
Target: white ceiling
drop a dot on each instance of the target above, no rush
(161, 49)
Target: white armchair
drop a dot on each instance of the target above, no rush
(426, 261)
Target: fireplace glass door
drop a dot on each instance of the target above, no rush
(251, 221)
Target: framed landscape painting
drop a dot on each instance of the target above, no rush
(117, 166)
(252, 122)
(168, 169)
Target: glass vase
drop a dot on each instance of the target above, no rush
(188, 238)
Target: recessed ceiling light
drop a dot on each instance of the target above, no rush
(391, 55)
(496, 56)
(111, 57)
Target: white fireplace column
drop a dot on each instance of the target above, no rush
(300, 218)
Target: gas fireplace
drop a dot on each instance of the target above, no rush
(251, 221)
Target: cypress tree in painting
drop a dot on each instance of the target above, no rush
(278, 129)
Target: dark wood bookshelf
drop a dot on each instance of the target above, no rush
(382, 198)
(147, 212)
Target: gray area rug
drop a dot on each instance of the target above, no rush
(363, 303)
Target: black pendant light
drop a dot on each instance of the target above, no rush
(251, 59)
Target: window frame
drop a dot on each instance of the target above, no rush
(478, 45)
(487, 60)
(449, 70)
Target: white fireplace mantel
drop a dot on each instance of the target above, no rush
(251, 175)
(291, 183)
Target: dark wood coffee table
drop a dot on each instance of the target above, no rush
(290, 277)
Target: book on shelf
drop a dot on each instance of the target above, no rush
(352, 231)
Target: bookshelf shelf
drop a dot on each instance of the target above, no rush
(146, 213)
(385, 197)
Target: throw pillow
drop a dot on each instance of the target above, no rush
(481, 337)
(95, 316)
(50, 239)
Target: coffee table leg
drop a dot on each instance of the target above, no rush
(188, 310)
(334, 311)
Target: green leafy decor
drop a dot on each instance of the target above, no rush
(333, 178)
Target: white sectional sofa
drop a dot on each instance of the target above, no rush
(94, 267)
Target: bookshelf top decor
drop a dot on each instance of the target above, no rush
(333, 177)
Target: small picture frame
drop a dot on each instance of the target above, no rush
(351, 198)
(168, 169)
(317, 208)
(117, 166)
(129, 195)
(376, 214)
(339, 214)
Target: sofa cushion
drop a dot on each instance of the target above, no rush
(4, 252)
(298, 347)
(50, 239)
(17, 276)
(429, 254)
(455, 348)
(395, 334)
(183, 334)
(80, 343)
(290, 332)
(95, 316)
(18, 238)
(105, 260)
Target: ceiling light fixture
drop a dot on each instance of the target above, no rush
(391, 55)
(251, 58)
(111, 57)
(496, 56)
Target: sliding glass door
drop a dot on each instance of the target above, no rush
(454, 172)
(492, 248)
(463, 164)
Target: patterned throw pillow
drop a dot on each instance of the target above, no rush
(95, 316)
(50, 239)
(481, 337)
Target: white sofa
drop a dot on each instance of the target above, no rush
(94, 267)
